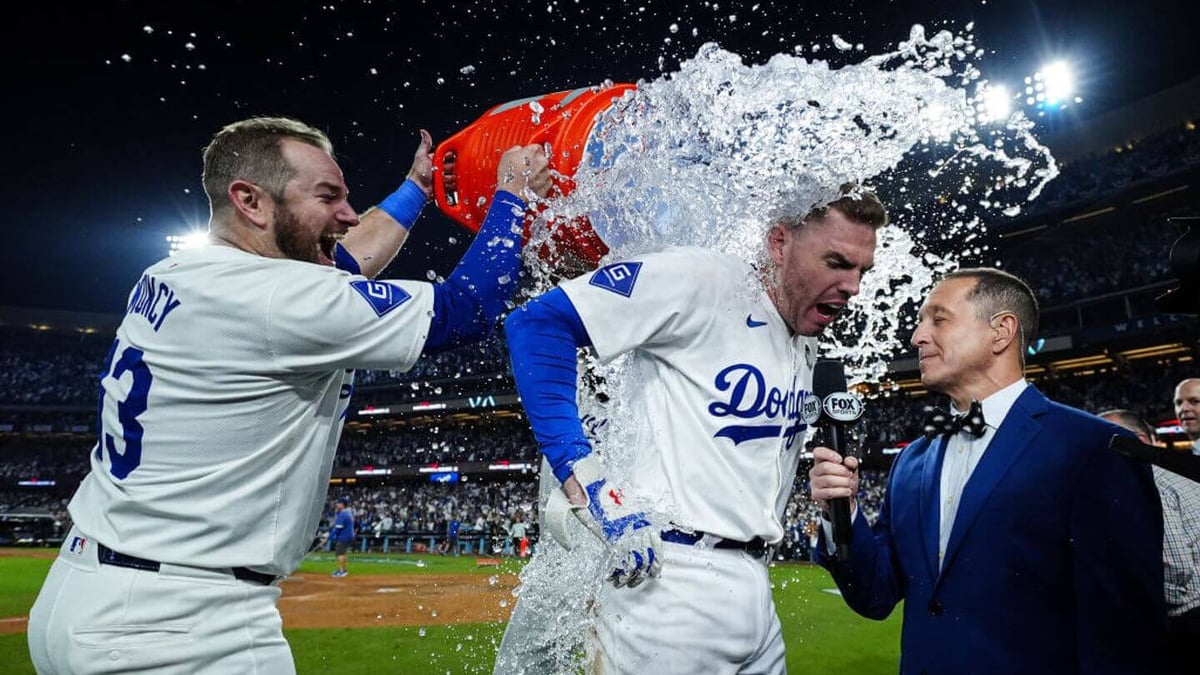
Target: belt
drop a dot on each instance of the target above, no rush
(111, 557)
(757, 547)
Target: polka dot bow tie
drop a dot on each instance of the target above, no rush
(941, 423)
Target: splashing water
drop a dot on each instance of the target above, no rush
(713, 154)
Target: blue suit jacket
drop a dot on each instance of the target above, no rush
(1054, 564)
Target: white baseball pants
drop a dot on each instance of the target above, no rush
(710, 611)
(91, 619)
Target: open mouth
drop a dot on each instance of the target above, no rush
(829, 310)
(328, 243)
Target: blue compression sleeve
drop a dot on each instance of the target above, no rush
(467, 303)
(344, 261)
(405, 204)
(542, 339)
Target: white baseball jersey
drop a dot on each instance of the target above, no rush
(223, 399)
(720, 382)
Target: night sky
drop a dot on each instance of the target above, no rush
(109, 103)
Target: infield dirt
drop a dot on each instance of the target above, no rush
(320, 601)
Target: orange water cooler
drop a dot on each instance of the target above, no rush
(564, 120)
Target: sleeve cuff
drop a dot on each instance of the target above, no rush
(405, 204)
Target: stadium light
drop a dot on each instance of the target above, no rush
(995, 103)
(1052, 88)
(179, 242)
(1058, 81)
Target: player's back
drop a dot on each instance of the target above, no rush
(222, 402)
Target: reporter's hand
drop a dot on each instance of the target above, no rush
(421, 171)
(632, 538)
(832, 477)
(525, 172)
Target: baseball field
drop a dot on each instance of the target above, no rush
(432, 614)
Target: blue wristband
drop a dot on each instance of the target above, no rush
(405, 204)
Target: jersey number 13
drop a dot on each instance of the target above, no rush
(130, 361)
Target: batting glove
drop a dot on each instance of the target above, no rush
(630, 535)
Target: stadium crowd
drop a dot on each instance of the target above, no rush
(496, 438)
(491, 510)
(1098, 175)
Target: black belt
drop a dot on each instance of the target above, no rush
(111, 557)
(757, 547)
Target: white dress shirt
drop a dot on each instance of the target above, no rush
(963, 454)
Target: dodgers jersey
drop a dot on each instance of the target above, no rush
(223, 399)
(720, 386)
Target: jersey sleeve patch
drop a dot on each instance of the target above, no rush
(618, 277)
(381, 296)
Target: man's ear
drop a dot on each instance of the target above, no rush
(776, 237)
(1006, 330)
(251, 201)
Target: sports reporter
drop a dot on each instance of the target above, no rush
(706, 331)
(224, 395)
(1017, 540)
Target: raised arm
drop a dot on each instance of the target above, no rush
(467, 304)
(370, 247)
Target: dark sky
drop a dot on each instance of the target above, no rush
(109, 103)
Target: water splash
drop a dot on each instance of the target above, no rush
(713, 154)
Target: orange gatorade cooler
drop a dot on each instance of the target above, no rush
(564, 120)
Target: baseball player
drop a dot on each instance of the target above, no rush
(224, 395)
(721, 355)
(342, 534)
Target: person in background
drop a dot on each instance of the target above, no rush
(342, 534)
(1181, 549)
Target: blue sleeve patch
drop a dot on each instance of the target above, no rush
(618, 277)
(380, 295)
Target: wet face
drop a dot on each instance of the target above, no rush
(820, 266)
(314, 213)
(954, 344)
(1187, 407)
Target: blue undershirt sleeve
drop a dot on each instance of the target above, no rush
(543, 337)
(467, 304)
(344, 261)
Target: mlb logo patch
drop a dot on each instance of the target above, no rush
(78, 545)
(618, 277)
(381, 296)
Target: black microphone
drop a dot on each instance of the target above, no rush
(839, 410)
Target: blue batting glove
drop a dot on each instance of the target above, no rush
(630, 535)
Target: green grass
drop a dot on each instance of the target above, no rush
(823, 637)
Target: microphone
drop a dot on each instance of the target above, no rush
(839, 411)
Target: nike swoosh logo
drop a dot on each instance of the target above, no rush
(750, 322)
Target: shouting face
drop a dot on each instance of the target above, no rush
(314, 213)
(820, 267)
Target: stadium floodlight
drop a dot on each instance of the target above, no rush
(995, 103)
(1057, 82)
(179, 242)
